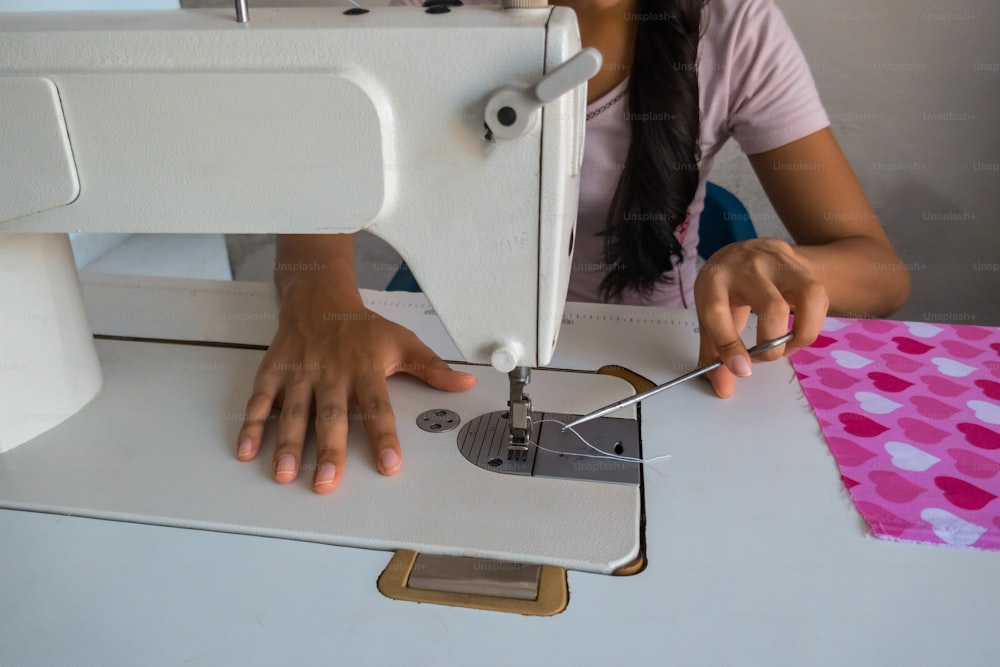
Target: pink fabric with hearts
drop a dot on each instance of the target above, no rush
(911, 411)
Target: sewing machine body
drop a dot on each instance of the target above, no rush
(301, 121)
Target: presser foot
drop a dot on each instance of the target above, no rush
(517, 453)
(519, 415)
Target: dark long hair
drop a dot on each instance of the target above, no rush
(660, 177)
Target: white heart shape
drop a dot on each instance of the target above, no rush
(908, 457)
(950, 528)
(850, 359)
(876, 404)
(952, 368)
(986, 412)
(923, 329)
(831, 324)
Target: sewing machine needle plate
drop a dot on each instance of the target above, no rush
(602, 450)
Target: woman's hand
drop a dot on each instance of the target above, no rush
(767, 277)
(842, 260)
(333, 355)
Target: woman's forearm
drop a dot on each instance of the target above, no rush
(862, 277)
(325, 260)
(819, 199)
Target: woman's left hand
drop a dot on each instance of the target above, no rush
(769, 278)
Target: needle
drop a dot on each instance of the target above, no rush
(756, 349)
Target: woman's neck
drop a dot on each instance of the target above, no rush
(607, 26)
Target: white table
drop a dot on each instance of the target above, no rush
(756, 555)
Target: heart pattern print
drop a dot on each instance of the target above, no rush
(911, 412)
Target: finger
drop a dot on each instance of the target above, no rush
(255, 416)
(772, 318)
(719, 333)
(810, 304)
(420, 361)
(722, 379)
(292, 426)
(380, 423)
(740, 318)
(332, 421)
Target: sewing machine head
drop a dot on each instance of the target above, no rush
(426, 129)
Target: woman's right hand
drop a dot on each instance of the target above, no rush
(333, 355)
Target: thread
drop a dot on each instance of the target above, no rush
(603, 454)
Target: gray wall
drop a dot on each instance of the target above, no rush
(913, 91)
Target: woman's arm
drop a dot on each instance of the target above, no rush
(816, 194)
(842, 261)
(300, 258)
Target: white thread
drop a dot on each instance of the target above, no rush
(603, 454)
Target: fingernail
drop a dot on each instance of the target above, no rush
(389, 461)
(286, 467)
(243, 449)
(741, 366)
(325, 474)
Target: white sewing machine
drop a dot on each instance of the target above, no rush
(755, 557)
(459, 142)
(425, 128)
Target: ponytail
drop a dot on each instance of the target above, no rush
(661, 176)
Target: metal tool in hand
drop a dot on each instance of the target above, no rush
(756, 349)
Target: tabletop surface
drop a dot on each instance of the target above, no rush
(756, 554)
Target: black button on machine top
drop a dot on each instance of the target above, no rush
(356, 11)
(438, 9)
(442, 3)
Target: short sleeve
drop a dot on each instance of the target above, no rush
(772, 98)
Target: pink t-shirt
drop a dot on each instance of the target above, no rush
(755, 86)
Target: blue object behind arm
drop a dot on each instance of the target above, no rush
(725, 220)
(403, 281)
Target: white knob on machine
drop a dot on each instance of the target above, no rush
(512, 111)
(506, 357)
